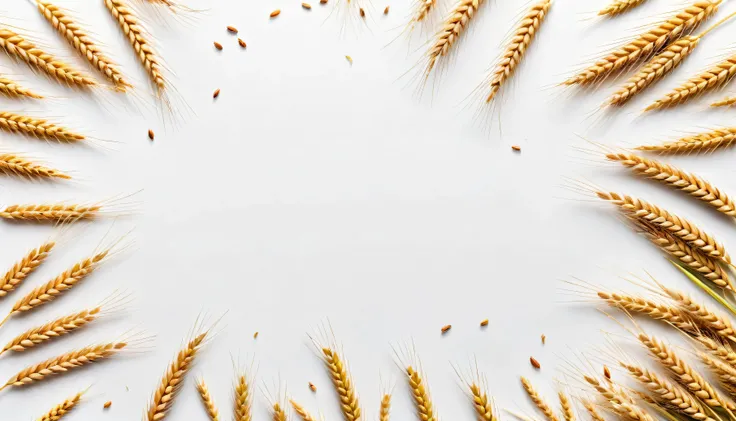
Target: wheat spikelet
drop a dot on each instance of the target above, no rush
(61, 283)
(24, 267)
(667, 394)
(525, 32)
(538, 401)
(678, 227)
(82, 42)
(618, 7)
(17, 165)
(701, 314)
(173, 379)
(423, 9)
(50, 213)
(726, 373)
(566, 405)
(482, 404)
(594, 414)
(718, 349)
(54, 329)
(647, 43)
(656, 311)
(278, 413)
(17, 46)
(620, 402)
(12, 89)
(711, 78)
(684, 374)
(657, 68)
(343, 384)
(64, 363)
(422, 400)
(209, 403)
(36, 127)
(303, 414)
(385, 408)
(702, 142)
(243, 399)
(58, 411)
(725, 102)
(138, 38)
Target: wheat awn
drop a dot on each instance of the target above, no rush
(621, 403)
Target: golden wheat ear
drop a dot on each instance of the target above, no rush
(618, 7)
(637, 305)
(538, 401)
(60, 410)
(37, 127)
(303, 414)
(207, 401)
(385, 408)
(706, 142)
(17, 165)
(24, 267)
(619, 400)
(243, 402)
(12, 89)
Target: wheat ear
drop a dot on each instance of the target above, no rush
(621, 403)
(243, 399)
(423, 9)
(684, 374)
(481, 403)
(57, 286)
(304, 415)
(12, 89)
(667, 394)
(718, 349)
(173, 379)
(138, 38)
(278, 413)
(17, 165)
(17, 46)
(385, 408)
(594, 414)
(647, 43)
(54, 329)
(50, 213)
(701, 314)
(37, 127)
(24, 267)
(207, 401)
(618, 7)
(420, 394)
(58, 411)
(63, 363)
(678, 227)
(725, 102)
(453, 27)
(517, 47)
(82, 42)
(538, 401)
(566, 405)
(343, 384)
(698, 143)
(726, 373)
(657, 311)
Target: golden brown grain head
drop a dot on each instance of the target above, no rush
(723, 371)
(619, 401)
(725, 102)
(57, 213)
(633, 304)
(419, 392)
(709, 319)
(278, 413)
(60, 410)
(24, 267)
(243, 399)
(592, 411)
(12, 89)
(343, 383)
(482, 404)
(37, 127)
(706, 142)
(303, 414)
(540, 403)
(567, 410)
(618, 7)
(19, 166)
(207, 401)
(385, 411)
(717, 348)
(52, 330)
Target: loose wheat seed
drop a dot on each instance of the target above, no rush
(607, 372)
(232, 29)
(484, 323)
(516, 148)
(255, 335)
(445, 328)
(107, 404)
(275, 13)
(307, 6)
(544, 339)
(535, 363)
(241, 42)
(312, 387)
(150, 134)
(385, 11)
(349, 59)
(216, 93)
(322, 1)
(362, 13)
(218, 45)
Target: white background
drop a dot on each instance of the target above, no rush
(314, 192)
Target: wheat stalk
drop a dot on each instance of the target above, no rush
(618, 7)
(718, 349)
(647, 43)
(173, 379)
(709, 319)
(523, 36)
(482, 404)
(17, 165)
(303, 413)
(420, 394)
(24, 267)
(54, 329)
(17, 46)
(343, 384)
(668, 394)
(385, 408)
(82, 42)
(678, 227)
(243, 399)
(57, 286)
(656, 311)
(58, 411)
(207, 401)
(50, 213)
(538, 401)
(138, 38)
(278, 413)
(684, 374)
(63, 363)
(620, 402)
(566, 405)
(12, 89)
(594, 414)
(36, 127)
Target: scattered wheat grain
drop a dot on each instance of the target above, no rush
(232, 29)
(312, 387)
(535, 363)
(216, 93)
(107, 405)
(275, 13)
(307, 6)
(484, 323)
(241, 43)
(385, 11)
(446, 328)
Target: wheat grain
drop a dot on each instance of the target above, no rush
(594, 414)
(50, 213)
(385, 408)
(618, 7)
(37, 127)
(243, 399)
(481, 403)
(53, 329)
(343, 384)
(701, 314)
(278, 413)
(82, 42)
(684, 374)
(12, 89)
(538, 401)
(17, 46)
(422, 400)
(656, 311)
(647, 43)
(678, 227)
(567, 410)
(207, 401)
(667, 394)
(620, 402)
(303, 414)
(718, 349)
(517, 47)
(64, 363)
(58, 411)
(16, 165)
(24, 267)
(173, 379)
(138, 38)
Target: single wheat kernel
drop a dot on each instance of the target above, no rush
(446, 328)
(484, 323)
(107, 404)
(150, 134)
(322, 1)
(232, 29)
(241, 42)
(307, 6)
(275, 13)
(516, 148)
(362, 13)
(544, 339)
(217, 93)
(349, 59)
(607, 372)
(312, 387)
(217, 45)
(385, 11)
(255, 335)
(535, 363)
